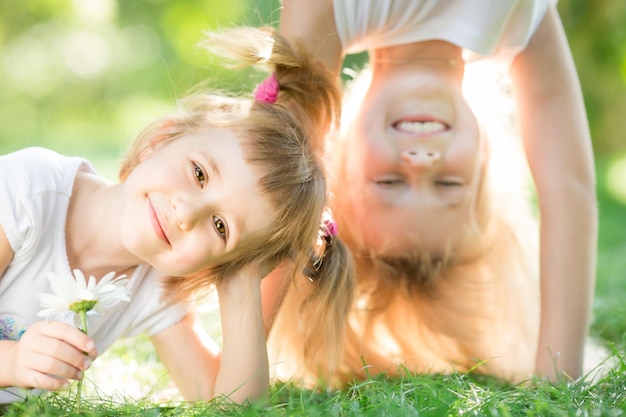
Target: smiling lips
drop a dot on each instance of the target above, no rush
(156, 224)
(421, 125)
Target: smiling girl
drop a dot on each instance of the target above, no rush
(219, 192)
(448, 277)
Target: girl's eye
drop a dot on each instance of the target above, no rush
(219, 226)
(387, 183)
(447, 183)
(197, 171)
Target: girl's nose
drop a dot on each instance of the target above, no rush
(421, 157)
(186, 214)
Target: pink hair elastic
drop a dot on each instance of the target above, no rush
(328, 227)
(267, 90)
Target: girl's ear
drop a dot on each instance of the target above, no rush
(161, 134)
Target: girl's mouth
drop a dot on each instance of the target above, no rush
(156, 224)
(420, 125)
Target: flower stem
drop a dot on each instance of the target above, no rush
(83, 328)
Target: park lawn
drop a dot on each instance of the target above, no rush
(131, 368)
(437, 396)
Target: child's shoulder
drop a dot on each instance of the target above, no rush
(35, 157)
(36, 169)
(35, 189)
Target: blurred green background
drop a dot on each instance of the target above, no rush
(83, 77)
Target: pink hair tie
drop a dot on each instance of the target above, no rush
(326, 233)
(328, 226)
(267, 90)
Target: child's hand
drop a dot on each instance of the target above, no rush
(49, 354)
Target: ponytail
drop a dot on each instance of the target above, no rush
(324, 312)
(308, 335)
(306, 87)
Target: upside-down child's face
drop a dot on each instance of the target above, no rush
(412, 160)
(193, 201)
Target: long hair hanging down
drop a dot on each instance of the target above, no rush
(498, 266)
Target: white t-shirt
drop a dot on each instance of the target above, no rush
(497, 29)
(35, 188)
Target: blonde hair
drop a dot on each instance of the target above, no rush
(280, 140)
(497, 255)
(493, 278)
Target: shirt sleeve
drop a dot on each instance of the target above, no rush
(15, 213)
(156, 314)
(500, 34)
(35, 187)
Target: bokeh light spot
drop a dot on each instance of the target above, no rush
(616, 179)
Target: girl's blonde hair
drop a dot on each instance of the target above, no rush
(496, 256)
(280, 140)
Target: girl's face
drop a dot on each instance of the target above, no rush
(412, 158)
(193, 202)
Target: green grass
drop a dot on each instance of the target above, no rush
(128, 380)
(435, 395)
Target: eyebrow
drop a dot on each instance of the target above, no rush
(212, 165)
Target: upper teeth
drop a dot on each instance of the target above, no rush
(421, 127)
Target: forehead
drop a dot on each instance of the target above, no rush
(208, 138)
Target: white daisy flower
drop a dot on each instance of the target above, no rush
(74, 293)
(77, 296)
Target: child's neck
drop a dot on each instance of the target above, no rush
(424, 50)
(441, 56)
(92, 230)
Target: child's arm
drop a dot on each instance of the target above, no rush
(45, 349)
(194, 362)
(6, 253)
(273, 291)
(244, 371)
(558, 147)
(313, 24)
(190, 356)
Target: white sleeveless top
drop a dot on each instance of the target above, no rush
(497, 29)
(35, 189)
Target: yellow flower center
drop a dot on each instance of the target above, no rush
(83, 305)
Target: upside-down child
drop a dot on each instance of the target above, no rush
(447, 275)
